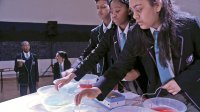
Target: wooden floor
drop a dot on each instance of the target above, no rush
(10, 88)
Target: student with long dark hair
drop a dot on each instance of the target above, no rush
(112, 44)
(166, 42)
(61, 65)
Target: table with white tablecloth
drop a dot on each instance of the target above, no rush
(32, 103)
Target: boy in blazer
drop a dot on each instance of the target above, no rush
(27, 65)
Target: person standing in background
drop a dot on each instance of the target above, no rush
(61, 65)
(26, 64)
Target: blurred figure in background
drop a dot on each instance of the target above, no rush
(61, 65)
(27, 65)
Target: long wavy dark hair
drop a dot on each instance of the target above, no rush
(64, 55)
(167, 39)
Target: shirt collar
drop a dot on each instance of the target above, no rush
(107, 27)
(153, 29)
(27, 52)
(125, 30)
(62, 63)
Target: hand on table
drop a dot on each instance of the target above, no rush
(65, 80)
(90, 93)
(67, 72)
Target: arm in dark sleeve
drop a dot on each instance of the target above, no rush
(118, 71)
(16, 65)
(92, 45)
(68, 64)
(36, 68)
(191, 76)
(56, 71)
(95, 56)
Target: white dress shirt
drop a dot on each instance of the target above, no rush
(27, 55)
(105, 28)
(119, 31)
(61, 65)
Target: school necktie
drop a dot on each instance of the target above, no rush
(104, 30)
(26, 55)
(61, 68)
(163, 71)
(122, 40)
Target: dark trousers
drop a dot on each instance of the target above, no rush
(24, 87)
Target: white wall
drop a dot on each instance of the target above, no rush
(82, 12)
(191, 6)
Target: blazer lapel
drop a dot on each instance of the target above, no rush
(32, 60)
(100, 32)
(65, 65)
(116, 45)
(177, 60)
(23, 56)
(150, 46)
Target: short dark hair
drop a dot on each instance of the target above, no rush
(23, 42)
(126, 2)
(104, 0)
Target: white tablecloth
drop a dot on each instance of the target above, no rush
(30, 103)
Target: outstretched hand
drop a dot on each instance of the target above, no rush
(90, 93)
(67, 72)
(65, 80)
